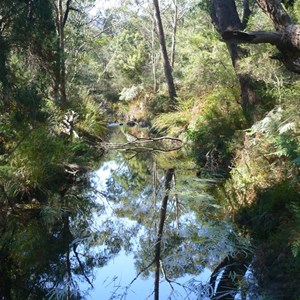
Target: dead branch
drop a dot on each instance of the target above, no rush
(165, 275)
(138, 145)
(141, 272)
(81, 266)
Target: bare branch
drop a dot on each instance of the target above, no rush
(138, 144)
(68, 8)
(276, 13)
(165, 275)
(141, 272)
(81, 266)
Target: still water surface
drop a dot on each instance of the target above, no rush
(113, 280)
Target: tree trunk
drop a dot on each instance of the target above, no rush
(276, 13)
(154, 55)
(59, 89)
(62, 65)
(67, 238)
(69, 275)
(225, 18)
(162, 41)
(163, 211)
(286, 38)
(174, 27)
(224, 15)
(3, 69)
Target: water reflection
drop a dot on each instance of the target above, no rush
(45, 247)
(119, 278)
(98, 234)
(133, 193)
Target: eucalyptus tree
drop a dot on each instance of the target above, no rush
(166, 61)
(231, 26)
(236, 30)
(285, 38)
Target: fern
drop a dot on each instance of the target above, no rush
(171, 123)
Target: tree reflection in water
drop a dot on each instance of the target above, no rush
(48, 248)
(195, 234)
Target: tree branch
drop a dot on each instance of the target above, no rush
(165, 275)
(275, 11)
(81, 266)
(246, 13)
(253, 37)
(142, 271)
(67, 12)
(138, 145)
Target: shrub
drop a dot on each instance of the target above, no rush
(161, 104)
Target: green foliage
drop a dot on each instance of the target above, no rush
(294, 234)
(213, 132)
(202, 58)
(129, 94)
(262, 192)
(296, 11)
(273, 223)
(130, 57)
(91, 118)
(161, 104)
(35, 161)
(173, 123)
(267, 156)
(46, 202)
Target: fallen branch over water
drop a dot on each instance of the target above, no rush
(139, 144)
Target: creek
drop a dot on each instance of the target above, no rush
(97, 235)
(112, 281)
(131, 190)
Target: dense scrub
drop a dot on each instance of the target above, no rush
(66, 72)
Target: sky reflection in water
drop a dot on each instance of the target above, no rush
(112, 281)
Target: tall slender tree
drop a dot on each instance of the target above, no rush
(163, 47)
